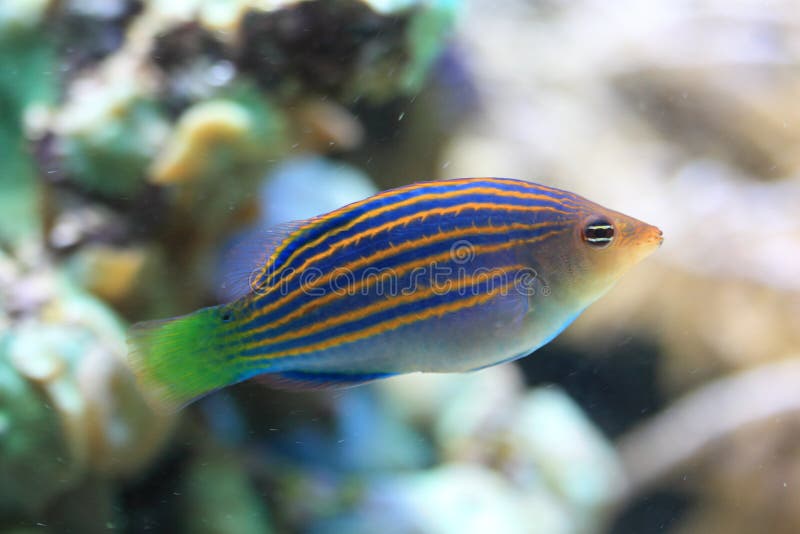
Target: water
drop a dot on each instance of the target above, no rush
(138, 140)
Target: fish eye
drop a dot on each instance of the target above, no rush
(599, 233)
(227, 316)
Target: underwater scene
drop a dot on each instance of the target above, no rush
(399, 266)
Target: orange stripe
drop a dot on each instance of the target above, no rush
(399, 271)
(408, 245)
(376, 307)
(403, 320)
(394, 224)
(408, 202)
(353, 205)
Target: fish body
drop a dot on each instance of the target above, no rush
(444, 276)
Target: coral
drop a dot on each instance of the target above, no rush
(69, 405)
(306, 186)
(135, 140)
(348, 49)
(33, 452)
(240, 132)
(220, 498)
(539, 442)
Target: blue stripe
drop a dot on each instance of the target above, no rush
(467, 217)
(354, 326)
(434, 224)
(341, 217)
(391, 262)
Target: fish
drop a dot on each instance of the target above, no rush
(442, 276)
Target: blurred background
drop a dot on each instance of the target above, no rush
(139, 138)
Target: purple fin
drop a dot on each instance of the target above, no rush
(298, 380)
(248, 253)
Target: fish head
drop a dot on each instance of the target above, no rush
(598, 246)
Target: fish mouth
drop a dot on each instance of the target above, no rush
(651, 237)
(642, 237)
(658, 236)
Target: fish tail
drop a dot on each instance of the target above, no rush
(178, 360)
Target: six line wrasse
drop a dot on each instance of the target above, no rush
(443, 276)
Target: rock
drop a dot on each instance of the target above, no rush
(307, 186)
(216, 135)
(219, 499)
(68, 399)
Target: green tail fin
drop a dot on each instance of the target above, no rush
(179, 360)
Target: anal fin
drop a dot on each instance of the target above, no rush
(299, 380)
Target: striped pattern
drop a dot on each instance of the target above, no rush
(357, 334)
(374, 266)
(387, 205)
(426, 292)
(433, 277)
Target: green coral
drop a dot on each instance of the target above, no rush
(235, 134)
(223, 499)
(34, 456)
(26, 78)
(110, 151)
(426, 36)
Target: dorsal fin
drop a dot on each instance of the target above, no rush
(247, 253)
